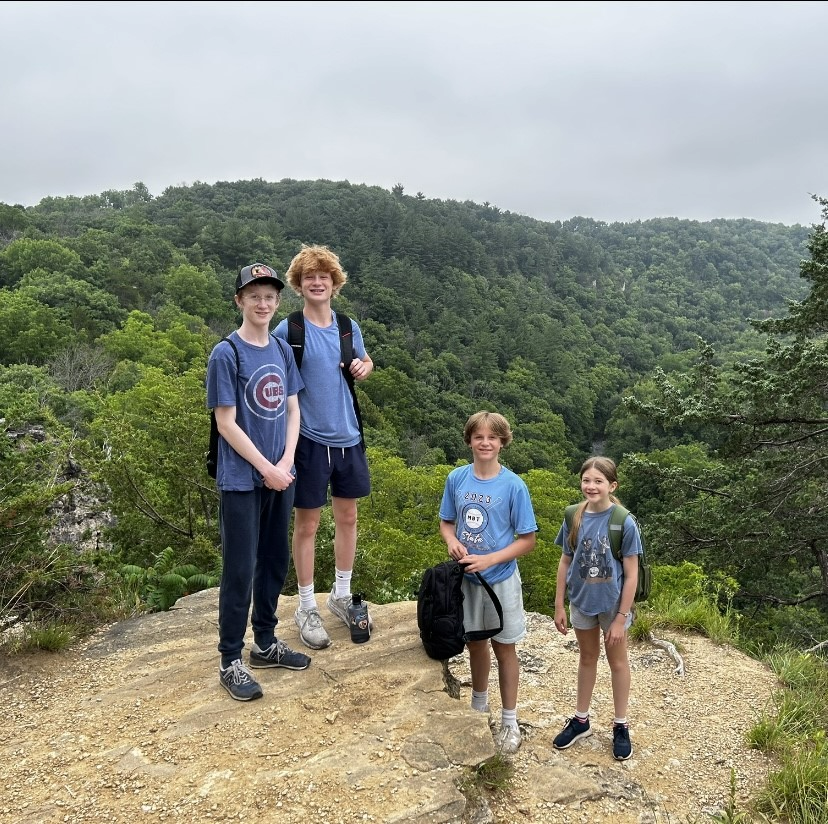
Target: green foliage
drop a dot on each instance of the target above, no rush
(174, 348)
(48, 636)
(494, 775)
(160, 585)
(195, 291)
(27, 255)
(147, 445)
(31, 332)
(89, 311)
(685, 599)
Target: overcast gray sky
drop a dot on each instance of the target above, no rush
(616, 111)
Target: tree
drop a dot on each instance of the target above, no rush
(86, 307)
(30, 330)
(147, 445)
(758, 508)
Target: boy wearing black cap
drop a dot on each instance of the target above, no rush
(252, 385)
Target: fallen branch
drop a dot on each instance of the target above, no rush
(671, 651)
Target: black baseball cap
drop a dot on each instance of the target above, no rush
(260, 273)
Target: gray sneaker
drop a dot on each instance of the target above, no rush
(278, 654)
(239, 682)
(311, 632)
(508, 740)
(339, 607)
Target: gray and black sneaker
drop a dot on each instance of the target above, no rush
(239, 682)
(339, 607)
(278, 654)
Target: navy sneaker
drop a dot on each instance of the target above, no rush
(238, 681)
(621, 744)
(574, 730)
(278, 654)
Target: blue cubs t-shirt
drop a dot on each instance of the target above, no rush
(267, 376)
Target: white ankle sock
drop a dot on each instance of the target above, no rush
(582, 716)
(343, 583)
(480, 701)
(306, 598)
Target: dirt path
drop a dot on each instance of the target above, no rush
(134, 727)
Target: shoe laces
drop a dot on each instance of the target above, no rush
(313, 619)
(621, 731)
(281, 649)
(241, 675)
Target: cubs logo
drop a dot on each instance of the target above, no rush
(265, 393)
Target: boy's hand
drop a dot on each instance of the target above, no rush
(359, 369)
(456, 550)
(475, 563)
(277, 477)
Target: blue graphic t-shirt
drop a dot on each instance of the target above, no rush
(595, 578)
(488, 514)
(267, 376)
(328, 415)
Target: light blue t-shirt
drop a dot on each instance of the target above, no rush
(488, 514)
(595, 578)
(328, 415)
(267, 376)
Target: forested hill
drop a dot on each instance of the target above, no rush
(462, 305)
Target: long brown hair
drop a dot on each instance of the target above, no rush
(606, 466)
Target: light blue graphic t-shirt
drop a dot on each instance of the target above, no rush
(595, 578)
(488, 514)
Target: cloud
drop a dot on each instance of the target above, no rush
(616, 111)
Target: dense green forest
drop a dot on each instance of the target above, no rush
(692, 353)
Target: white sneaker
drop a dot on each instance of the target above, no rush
(508, 739)
(311, 631)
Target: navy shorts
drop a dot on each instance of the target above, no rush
(344, 469)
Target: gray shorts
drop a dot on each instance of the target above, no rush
(479, 612)
(580, 620)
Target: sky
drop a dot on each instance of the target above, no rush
(615, 111)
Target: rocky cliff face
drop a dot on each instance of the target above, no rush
(135, 727)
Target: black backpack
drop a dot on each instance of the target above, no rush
(616, 528)
(211, 458)
(296, 339)
(440, 611)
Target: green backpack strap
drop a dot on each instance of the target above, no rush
(616, 528)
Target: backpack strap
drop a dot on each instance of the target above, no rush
(235, 352)
(296, 339)
(346, 354)
(296, 335)
(616, 529)
(483, 634)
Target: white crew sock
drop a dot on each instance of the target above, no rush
(306, 597)
(343, 583)
(508, 718)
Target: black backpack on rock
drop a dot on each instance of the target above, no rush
(440, 611)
